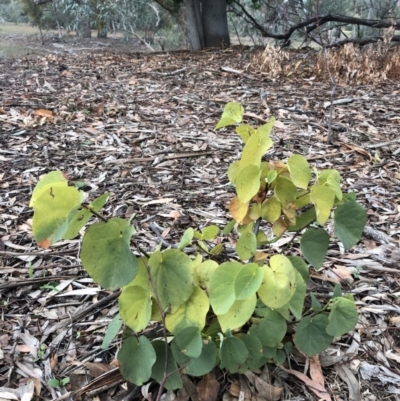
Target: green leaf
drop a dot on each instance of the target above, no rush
(301, 266)
(54, 178)
(296, 303)
(246, 246)
(279, 282)
(271, 329)
(285, 191)
(331, 179)
(254, 346)
(192, 313)
(197, 366)
(315, 305)
(280, 357)
(186, 238)
(106, 254)
(284, 310)
(337, 291)
(323, 199)
(172, 273)
(245, 131)
(135, 307)
(52, 212)
(189, 342)
(209, 232)
(248, 281)
(53, 383)
(221, 289)
(233, 113)
(82, 216)
(233, 354)
(142, 277)
(112, 330)
(239, 313)
(350, 196)
(271, 209)
(314, 243)
(174, 380)
(64, 381)
(349, 221)
(311, 337)
(271, 176)
(136, 359)
(343, 316)
(300, 172)
(304, 220)
(229, 227)
(248, 183)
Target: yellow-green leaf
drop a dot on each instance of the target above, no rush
(239, 313)
(233, 171)
(204, 272)
(135, 307)
(52, 212)
(254, 149)
(331, 178)
(248, 183)
(221, 289)
(245, 131)
(192, 313)
(279, 282)
(323, 199)
(265, 129)
(285, 190)
(54, 178)
(300, 172)
(233, 114)
(271, 209)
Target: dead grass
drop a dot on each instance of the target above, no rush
(350, 64)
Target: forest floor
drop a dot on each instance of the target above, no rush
(141, 126)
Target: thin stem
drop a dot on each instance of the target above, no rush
(91, 210)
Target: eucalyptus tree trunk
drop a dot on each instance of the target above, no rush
(215, 23)
(204, 22)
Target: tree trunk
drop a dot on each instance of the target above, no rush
(215, 23)
(85, 31)
(84, 19)
(194, 28)
(204, 24)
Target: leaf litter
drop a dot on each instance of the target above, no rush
(141, 126)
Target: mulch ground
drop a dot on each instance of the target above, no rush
(141, 126)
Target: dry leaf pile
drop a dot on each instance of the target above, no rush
(141, 127)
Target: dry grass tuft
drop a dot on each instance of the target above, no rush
(351, 65)
(273, 61)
